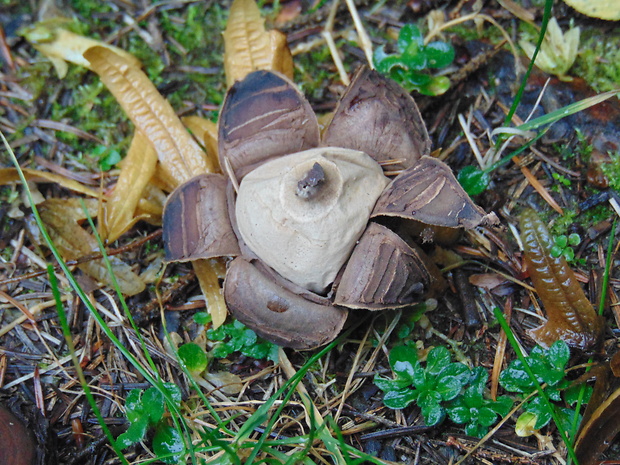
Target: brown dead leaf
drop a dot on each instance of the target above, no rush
(206, 131)
(487, 281)
(138, 168)
(10, 175)
(249, 47)
(180, 156)
(62, 217)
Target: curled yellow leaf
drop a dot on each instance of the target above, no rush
(208, 277)
(62, 217)
(10, 175)
(138, 168)
(61, 46)
(206, 131)
(249, 47)
(180, 156)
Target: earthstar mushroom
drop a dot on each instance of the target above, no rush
(301, 222)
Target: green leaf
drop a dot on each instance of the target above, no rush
(202, 318)
(502, 405)
(449, 387)
(561, 241)
(476, 430)
(409, 34)
(193, 357)
(386, 384)
(459, 415)
(428, 398)
(473, 180)
(133, 404)
(400, 398)
(135, 433)
(437, 360)
(153, 404)
(168, 444)
(572, 394)
(433, 413)
(574, 239)
(439, 54)
(539, 408)
(402, 360)
(486, 416)
(437, 86)
(559, 355)
(556, 251)
(174, 392)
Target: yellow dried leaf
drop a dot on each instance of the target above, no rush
(9, 175)
(61, 216)
(60, 45)
(603, 9)
(206, 131)
(249, 47)
(207, 274)
(179, 155)
(138, 168)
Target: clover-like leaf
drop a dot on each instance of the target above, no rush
(168, 444)
(193, 357)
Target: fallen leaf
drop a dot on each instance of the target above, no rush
(603, 9)
(138, 168)
(10, 175)
(601, 420)
(228, 383)
(206, 131)
(570, 315)
(209, 279)
(62, 217)
(249, 47)
(61, 46)
(487, 281)
(180, 156)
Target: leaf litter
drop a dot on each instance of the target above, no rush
(340, 382)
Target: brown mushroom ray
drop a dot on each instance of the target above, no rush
(377, 116)
(196, 223)
(277, 311)
(428, 192)
(264, 116)
(384, 272)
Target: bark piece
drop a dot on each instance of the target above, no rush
(277, 313)
(428, 192)
(377, 116)
(385, 272)
(196, 223)
(264, 116)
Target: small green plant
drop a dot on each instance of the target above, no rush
(474, 409)
(563, 246)
(236, 337)
(549, 368)
(410, 66)
(442, 388)
(430, 387)
(145, 409)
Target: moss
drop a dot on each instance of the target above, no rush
(599, 60)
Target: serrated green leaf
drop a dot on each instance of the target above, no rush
(168, 444)
(193, 357)
(473, 180)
